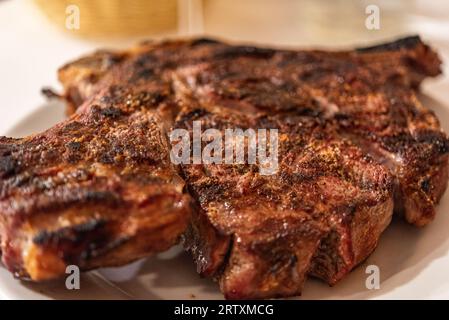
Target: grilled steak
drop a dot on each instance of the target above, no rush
(95, 190)
(368, 91)
(354, 144)
(322, 212)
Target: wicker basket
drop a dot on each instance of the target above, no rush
(115, 18)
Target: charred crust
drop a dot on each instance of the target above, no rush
(80, 243)
(403, 43)
(144, 74)
(73, 234)
(74, 146)
(426, 185)
(110, 112)
(193, 115)
(328, 188)
(437, 140)
(243, 51)
(397, 143)
(147, 98)
(8, 166)
(56, 198)
(203, 41)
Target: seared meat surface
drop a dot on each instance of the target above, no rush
(274, 227)
(355, 144)
(96, 190)
(368, 91)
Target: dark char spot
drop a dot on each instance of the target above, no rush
(404, 43)
(425, 185)
(203, 41)
(111, 112)
(74, 234)
(8, 166)
(74, 145)
(244, 51)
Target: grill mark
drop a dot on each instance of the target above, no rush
(243, 51)
(60, 199)
(204, 41)
(404, 43)
(73, 234)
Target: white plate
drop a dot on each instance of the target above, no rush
(413, 262)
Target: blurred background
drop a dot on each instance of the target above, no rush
(38, 36)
